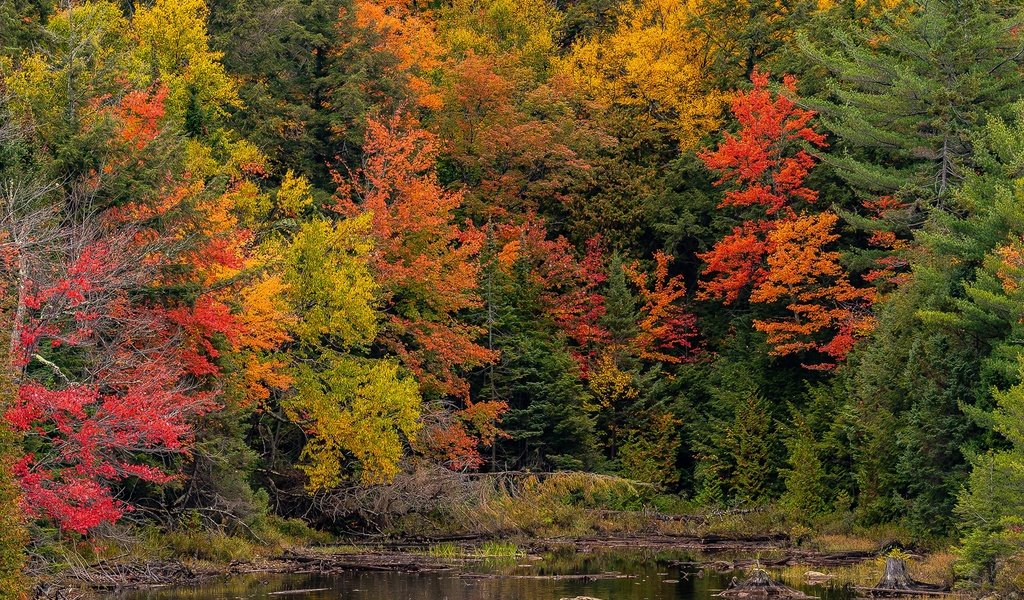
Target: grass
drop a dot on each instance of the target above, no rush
(210, 546)
(489, 549)
(864, 574)
(936, 567)
(498, 550)
(444, 550)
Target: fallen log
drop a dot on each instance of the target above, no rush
(889, 593)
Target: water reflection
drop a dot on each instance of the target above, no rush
(630, 575)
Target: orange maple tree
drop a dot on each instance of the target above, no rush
(666, 330)
(400, 30)
(780, 256)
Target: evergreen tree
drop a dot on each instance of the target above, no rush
(805, 493)
(992, 504)
(909, 91)
(308, 79)
(750, 441)
(908, 382)
(621, 313)
(944, 340)
(22, 24)
(547, 424)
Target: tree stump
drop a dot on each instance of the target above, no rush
(759, 579)
(759, 584)
(896, 576)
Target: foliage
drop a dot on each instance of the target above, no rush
(653, 67)
(348, 260)
(779, 255)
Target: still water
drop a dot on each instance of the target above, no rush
(628, 575)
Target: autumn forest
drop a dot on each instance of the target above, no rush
(278, 271)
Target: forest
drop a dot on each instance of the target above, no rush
(274, 270)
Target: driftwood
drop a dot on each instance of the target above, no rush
(759, 585)
(114, 575)
(789, 557)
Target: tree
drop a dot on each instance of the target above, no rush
(536, 374)
(779, 254)
(424, 261)
(806, 495)
(13, 531)
(123, 270)
(911, 91)
(665, 329)
(990, 505)
(803, 274)
(654, 69)
(749, 443)
(942, 342)
(348, 405)
(401, 31)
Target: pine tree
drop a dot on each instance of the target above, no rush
(22, 23)
(992, 504)
(621, 311)
(307, 77)
(547, 424)
(908, 94)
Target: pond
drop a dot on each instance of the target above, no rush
(623, 575)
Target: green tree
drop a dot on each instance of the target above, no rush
(806, 495)
(910, 89)
(308, 78)
(547, 423)
(991, 506)
(749, 440)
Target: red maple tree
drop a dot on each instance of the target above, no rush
(779, 255)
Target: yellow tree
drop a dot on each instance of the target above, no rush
(171, 44)
(519, 34)
(655, 68)
(350, 407)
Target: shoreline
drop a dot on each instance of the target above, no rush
(118, 575)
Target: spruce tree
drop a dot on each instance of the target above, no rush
(621, 313)
(750, 440)
(805, 479)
